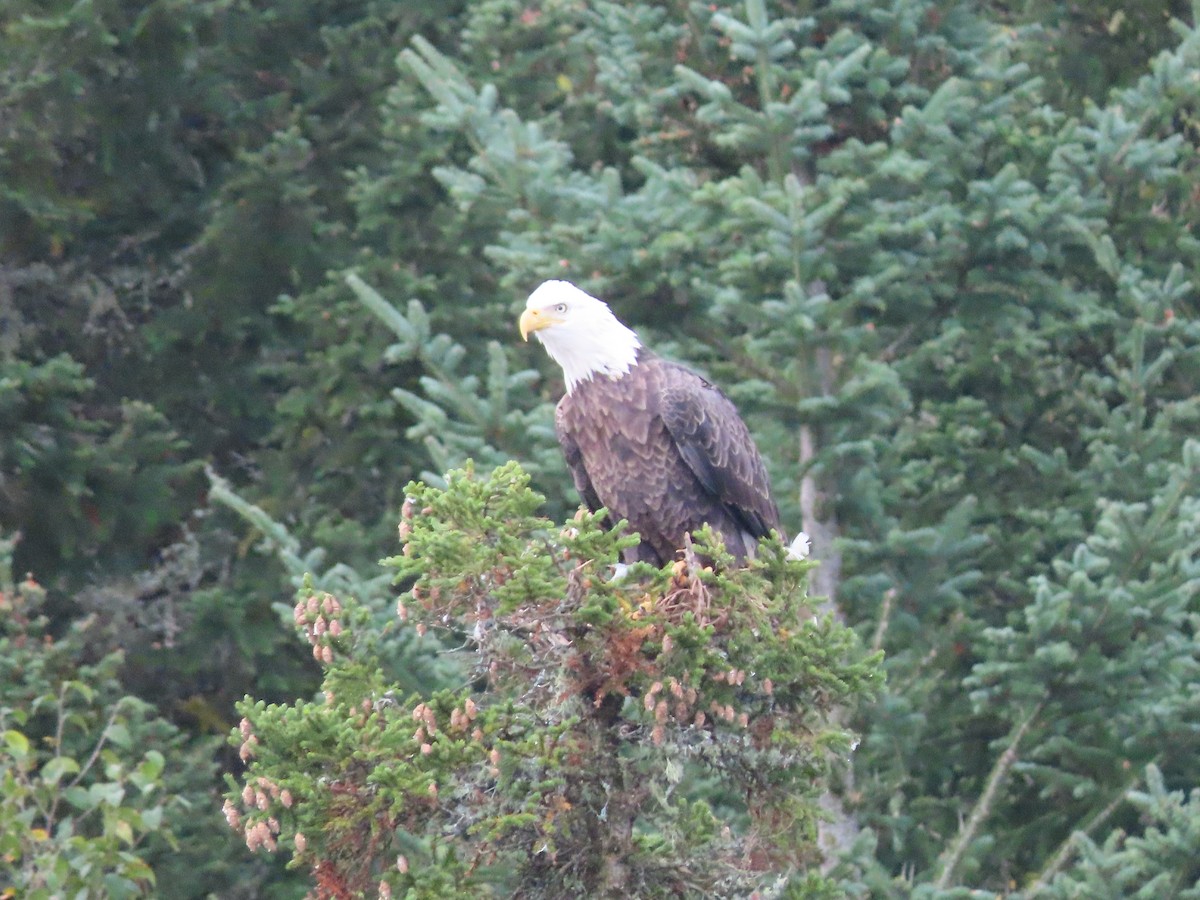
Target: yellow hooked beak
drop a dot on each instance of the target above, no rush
(535, 320)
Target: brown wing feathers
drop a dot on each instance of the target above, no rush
(715, 443)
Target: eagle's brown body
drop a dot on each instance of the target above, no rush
(662, 448)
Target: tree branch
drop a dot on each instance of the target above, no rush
(1067, 848)
(983, 806)
(885, 618)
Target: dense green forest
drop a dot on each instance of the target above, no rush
(260, 266)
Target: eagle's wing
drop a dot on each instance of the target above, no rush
(717, 446)
(574, 458)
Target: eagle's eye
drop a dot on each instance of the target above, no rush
(561, 308)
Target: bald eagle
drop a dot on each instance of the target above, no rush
(648, 439)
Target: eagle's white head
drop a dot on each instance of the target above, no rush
(579, 332)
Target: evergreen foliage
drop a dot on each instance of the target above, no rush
(460, 415)
(1159, 862)
(941, 254)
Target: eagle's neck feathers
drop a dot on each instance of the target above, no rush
(597, 346)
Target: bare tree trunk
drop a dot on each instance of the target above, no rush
(822, 532)
(838, 832)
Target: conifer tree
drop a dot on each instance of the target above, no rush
(661, 734)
